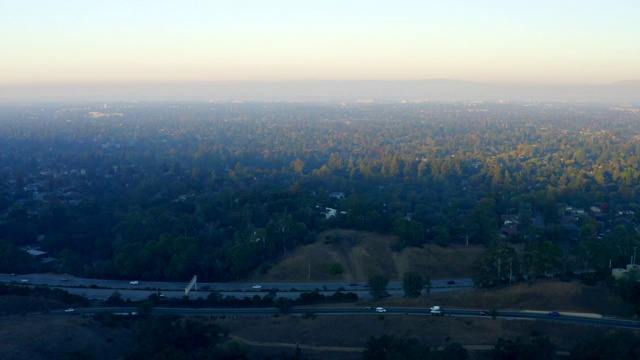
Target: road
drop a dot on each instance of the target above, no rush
(100, 289)
(567, 318)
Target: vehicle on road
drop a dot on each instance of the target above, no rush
(256, 287)
(451, 282)
(69, 310)
(484, 313)
(24, 281)
(554, 313)
(134, 282)
(12, 274)
(380, 310)
(435, 310)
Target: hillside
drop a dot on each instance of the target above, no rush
(363, 254)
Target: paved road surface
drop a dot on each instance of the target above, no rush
(579, 319)
(101, 289)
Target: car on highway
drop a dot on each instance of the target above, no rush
(69, 310)
(554, 313)
(24, 281)
(257, 287)
(451, 282)
(12, 274)
(380, 310)
(134, 282)
(484, 313)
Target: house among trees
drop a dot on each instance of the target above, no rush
(509, 225)
(36, 254)
(337, 195)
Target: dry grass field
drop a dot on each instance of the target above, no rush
(364, 254)
(334, 337)
(549, 295)
(45, 337)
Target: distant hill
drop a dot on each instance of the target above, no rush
(432, 90)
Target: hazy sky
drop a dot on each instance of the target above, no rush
(539, 41)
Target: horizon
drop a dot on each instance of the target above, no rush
(322, 91)
(532, 43)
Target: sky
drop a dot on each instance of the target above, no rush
(137, 41)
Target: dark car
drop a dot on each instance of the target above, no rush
(484, 313)
(451, 282)
(554, 313)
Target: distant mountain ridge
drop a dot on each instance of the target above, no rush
(315, 90)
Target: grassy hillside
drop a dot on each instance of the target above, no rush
(363, 254)
(43, 337)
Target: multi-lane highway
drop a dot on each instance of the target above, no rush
(101, 289)
(568, 318)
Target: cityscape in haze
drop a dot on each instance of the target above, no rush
(319, 180)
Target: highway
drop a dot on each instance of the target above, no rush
(100, 289)
(566, 318)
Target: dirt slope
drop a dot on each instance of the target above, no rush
(363, 254)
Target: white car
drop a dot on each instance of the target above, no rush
(381, 309)
(257, 287)
(69, 310)
(134, 282)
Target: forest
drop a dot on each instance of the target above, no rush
(163, 191)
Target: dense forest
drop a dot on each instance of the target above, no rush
(163, 191)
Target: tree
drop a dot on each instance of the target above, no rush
(427, 284)
(496, 265)
(409, 233)
(14, 260)
(378, 286)
(412, 284)
(482, 222)
(115, 299)
(284, 305)
(335, 268)
(540, 257)
(298, 166)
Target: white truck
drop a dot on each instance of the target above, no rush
(436, 311)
